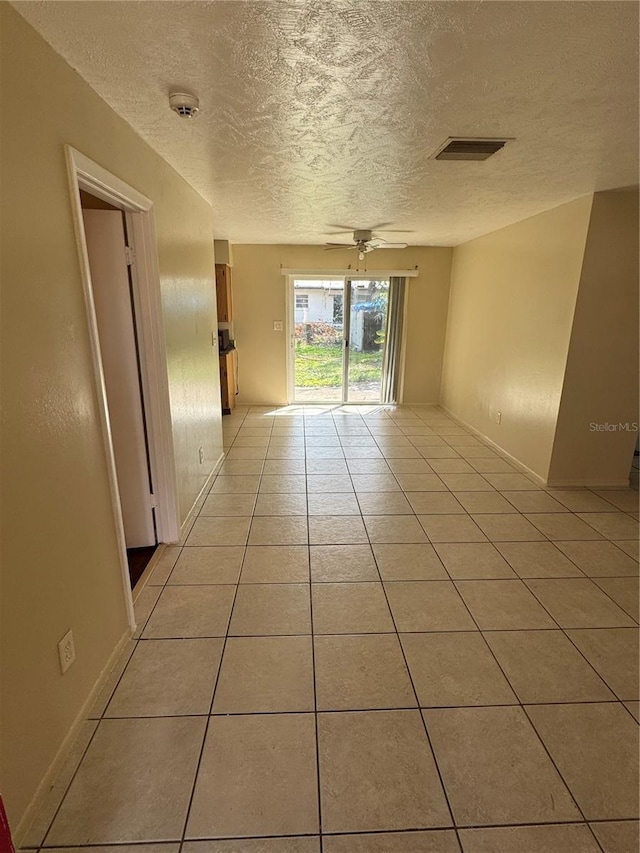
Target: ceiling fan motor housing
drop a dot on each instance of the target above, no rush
(364, 242)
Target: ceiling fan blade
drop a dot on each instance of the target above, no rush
(392, 246)
(329, 246)
(379, 226)
(344, 229)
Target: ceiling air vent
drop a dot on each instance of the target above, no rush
(469, 149)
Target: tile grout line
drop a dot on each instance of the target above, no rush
(101, 717)
(369, 832)
(508, 681)
(67, 787)
(367, 633)
(578, 806)
(313, 667)
(446, 438)
(415, 693)
(209, 715)
(579, 650)
(99, 720)
(470, 516)
(603, 628)
(537, 734)
(363, 710)
(397, 636)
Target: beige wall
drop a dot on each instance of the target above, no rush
(601, 379)
(60, 567)
(259, 296)
(513, 294)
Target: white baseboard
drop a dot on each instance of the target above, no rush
(60, 757)
(34, 806)
(246, 404)
(184, 527)
(548, 484)
(591, 484)
(503, 452)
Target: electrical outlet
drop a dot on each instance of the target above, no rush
(66, 651)
(201, 455)
(278, 326)
(498, 417)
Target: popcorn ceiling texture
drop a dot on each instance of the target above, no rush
(322, 112)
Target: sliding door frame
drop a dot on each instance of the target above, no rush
(347, 282)
(346, 337)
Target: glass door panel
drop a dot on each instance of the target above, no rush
(368, 302)
(318, 341)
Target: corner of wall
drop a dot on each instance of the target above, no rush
(512, 298)
(598, 411)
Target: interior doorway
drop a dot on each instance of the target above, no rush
(131, 224)
(112, 284)
(339, 329)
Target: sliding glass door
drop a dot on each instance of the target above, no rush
(366, 334)
(338, 338)
(318, 340)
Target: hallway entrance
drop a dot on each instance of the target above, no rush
(118, 255)
(109, 254)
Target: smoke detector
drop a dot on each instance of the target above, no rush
(187, 106)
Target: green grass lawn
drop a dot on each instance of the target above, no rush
(320, 366)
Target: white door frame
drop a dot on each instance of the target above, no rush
(84, 174)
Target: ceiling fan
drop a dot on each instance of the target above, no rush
(364, 242)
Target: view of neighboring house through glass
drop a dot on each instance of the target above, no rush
(325, 369)
(338, 308)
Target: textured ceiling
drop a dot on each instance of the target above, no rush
(321, 112)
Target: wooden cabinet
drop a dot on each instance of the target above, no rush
(223, 293)
(228, 385)
(228, 359)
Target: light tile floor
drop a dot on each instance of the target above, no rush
(380, 636)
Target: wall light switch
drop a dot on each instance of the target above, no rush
(278, 326)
